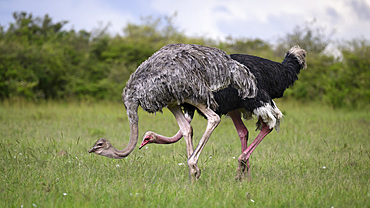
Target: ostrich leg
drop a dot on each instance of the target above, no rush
(243, 135)
(185, 128)
(240, 128)
(213, 121)
(244, 157)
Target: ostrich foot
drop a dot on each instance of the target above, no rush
(194, 173)
(243, 169)
(241, 173)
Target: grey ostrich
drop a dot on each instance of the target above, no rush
(272, 80)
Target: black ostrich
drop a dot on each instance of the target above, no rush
(273, 79)
(207, 79)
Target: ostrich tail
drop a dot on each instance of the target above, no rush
(298, 54)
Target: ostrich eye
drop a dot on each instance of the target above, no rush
(99, 145)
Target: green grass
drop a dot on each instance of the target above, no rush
(320, 158)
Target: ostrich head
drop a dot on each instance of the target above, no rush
(103, 147)
(149, 137)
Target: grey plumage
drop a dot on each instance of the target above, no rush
(180, 73)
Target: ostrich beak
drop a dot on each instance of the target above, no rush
(145, 142)
(92, 150)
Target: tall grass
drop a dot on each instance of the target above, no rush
(320, 158)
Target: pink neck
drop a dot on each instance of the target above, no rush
(168, 140)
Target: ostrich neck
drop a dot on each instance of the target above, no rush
(119, 154)
(168, 140)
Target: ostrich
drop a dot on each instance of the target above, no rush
(272, 80)
(191, 77)
(176, 75)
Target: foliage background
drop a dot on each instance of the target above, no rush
(41, 60)
(320, 158)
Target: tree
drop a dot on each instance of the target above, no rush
(314, 39)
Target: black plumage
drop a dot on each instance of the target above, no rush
(273, 78)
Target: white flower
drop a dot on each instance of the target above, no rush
(34, 205)
(146, 147)
(323, 167)
(20, 153)
(233, 157)
(117, 165)
(64, 194)
(252, 200)
(181, 164)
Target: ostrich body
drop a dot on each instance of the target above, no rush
(178, 75)
(273, 79)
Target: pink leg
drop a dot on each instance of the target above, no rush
(240, 128)
(244, 157)
(243, 135)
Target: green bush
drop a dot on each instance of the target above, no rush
(41, 60)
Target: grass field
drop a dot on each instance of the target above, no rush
(320, 158)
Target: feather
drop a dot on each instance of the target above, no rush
(180, 73)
